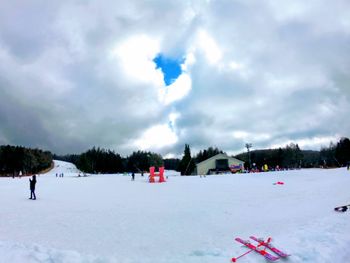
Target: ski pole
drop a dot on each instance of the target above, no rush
(260, 244)
(235, 259)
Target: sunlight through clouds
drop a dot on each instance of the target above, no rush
(209, 46)
(136, 55)
(177, 90)
(156, 137)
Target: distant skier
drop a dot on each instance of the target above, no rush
(132, 176)
(32, 183)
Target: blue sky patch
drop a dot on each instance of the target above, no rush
(170, 67)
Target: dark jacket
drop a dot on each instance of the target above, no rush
(32, 183)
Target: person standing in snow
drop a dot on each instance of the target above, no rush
(132, 176)
(32, 183)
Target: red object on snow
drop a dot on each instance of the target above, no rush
(153, 174)
(261, 243)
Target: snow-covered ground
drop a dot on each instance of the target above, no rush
(102, 218)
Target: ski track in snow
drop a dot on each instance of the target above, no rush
(187, 219)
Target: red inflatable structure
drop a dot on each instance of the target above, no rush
(152, 174)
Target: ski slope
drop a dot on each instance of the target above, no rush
(109, 218)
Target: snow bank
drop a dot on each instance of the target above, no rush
(14, 252)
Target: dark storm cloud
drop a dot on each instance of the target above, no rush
(279, 73)
(74, 95)
(287, 90)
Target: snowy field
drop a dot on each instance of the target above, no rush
(109, 218)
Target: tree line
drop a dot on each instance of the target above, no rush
(16, 159)
(291, 156)
(98, 160)
(288, 157)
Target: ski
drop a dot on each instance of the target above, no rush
(256, 249)
(234, 259)
(342, 208)
(270, 246)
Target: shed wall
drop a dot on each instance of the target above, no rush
(202, 168)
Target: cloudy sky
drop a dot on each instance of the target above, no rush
(154, 75)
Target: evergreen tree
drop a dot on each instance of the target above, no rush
(206, 154)
(171, 164)
(327, 156)
(298, 156)
(187, 164)
(14, 159)
(99, 161)
(342, 151)
(142, 161)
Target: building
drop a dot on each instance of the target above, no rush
(219, 163)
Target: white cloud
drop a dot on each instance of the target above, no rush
(136, 55)
(208, 46)
(240, 135)
(156, 137)
(173, 117)
(235, 65)
(265, 72)
(310, 143)
(177, 90)
(159, 136)
(251, 137)
(190, 60)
